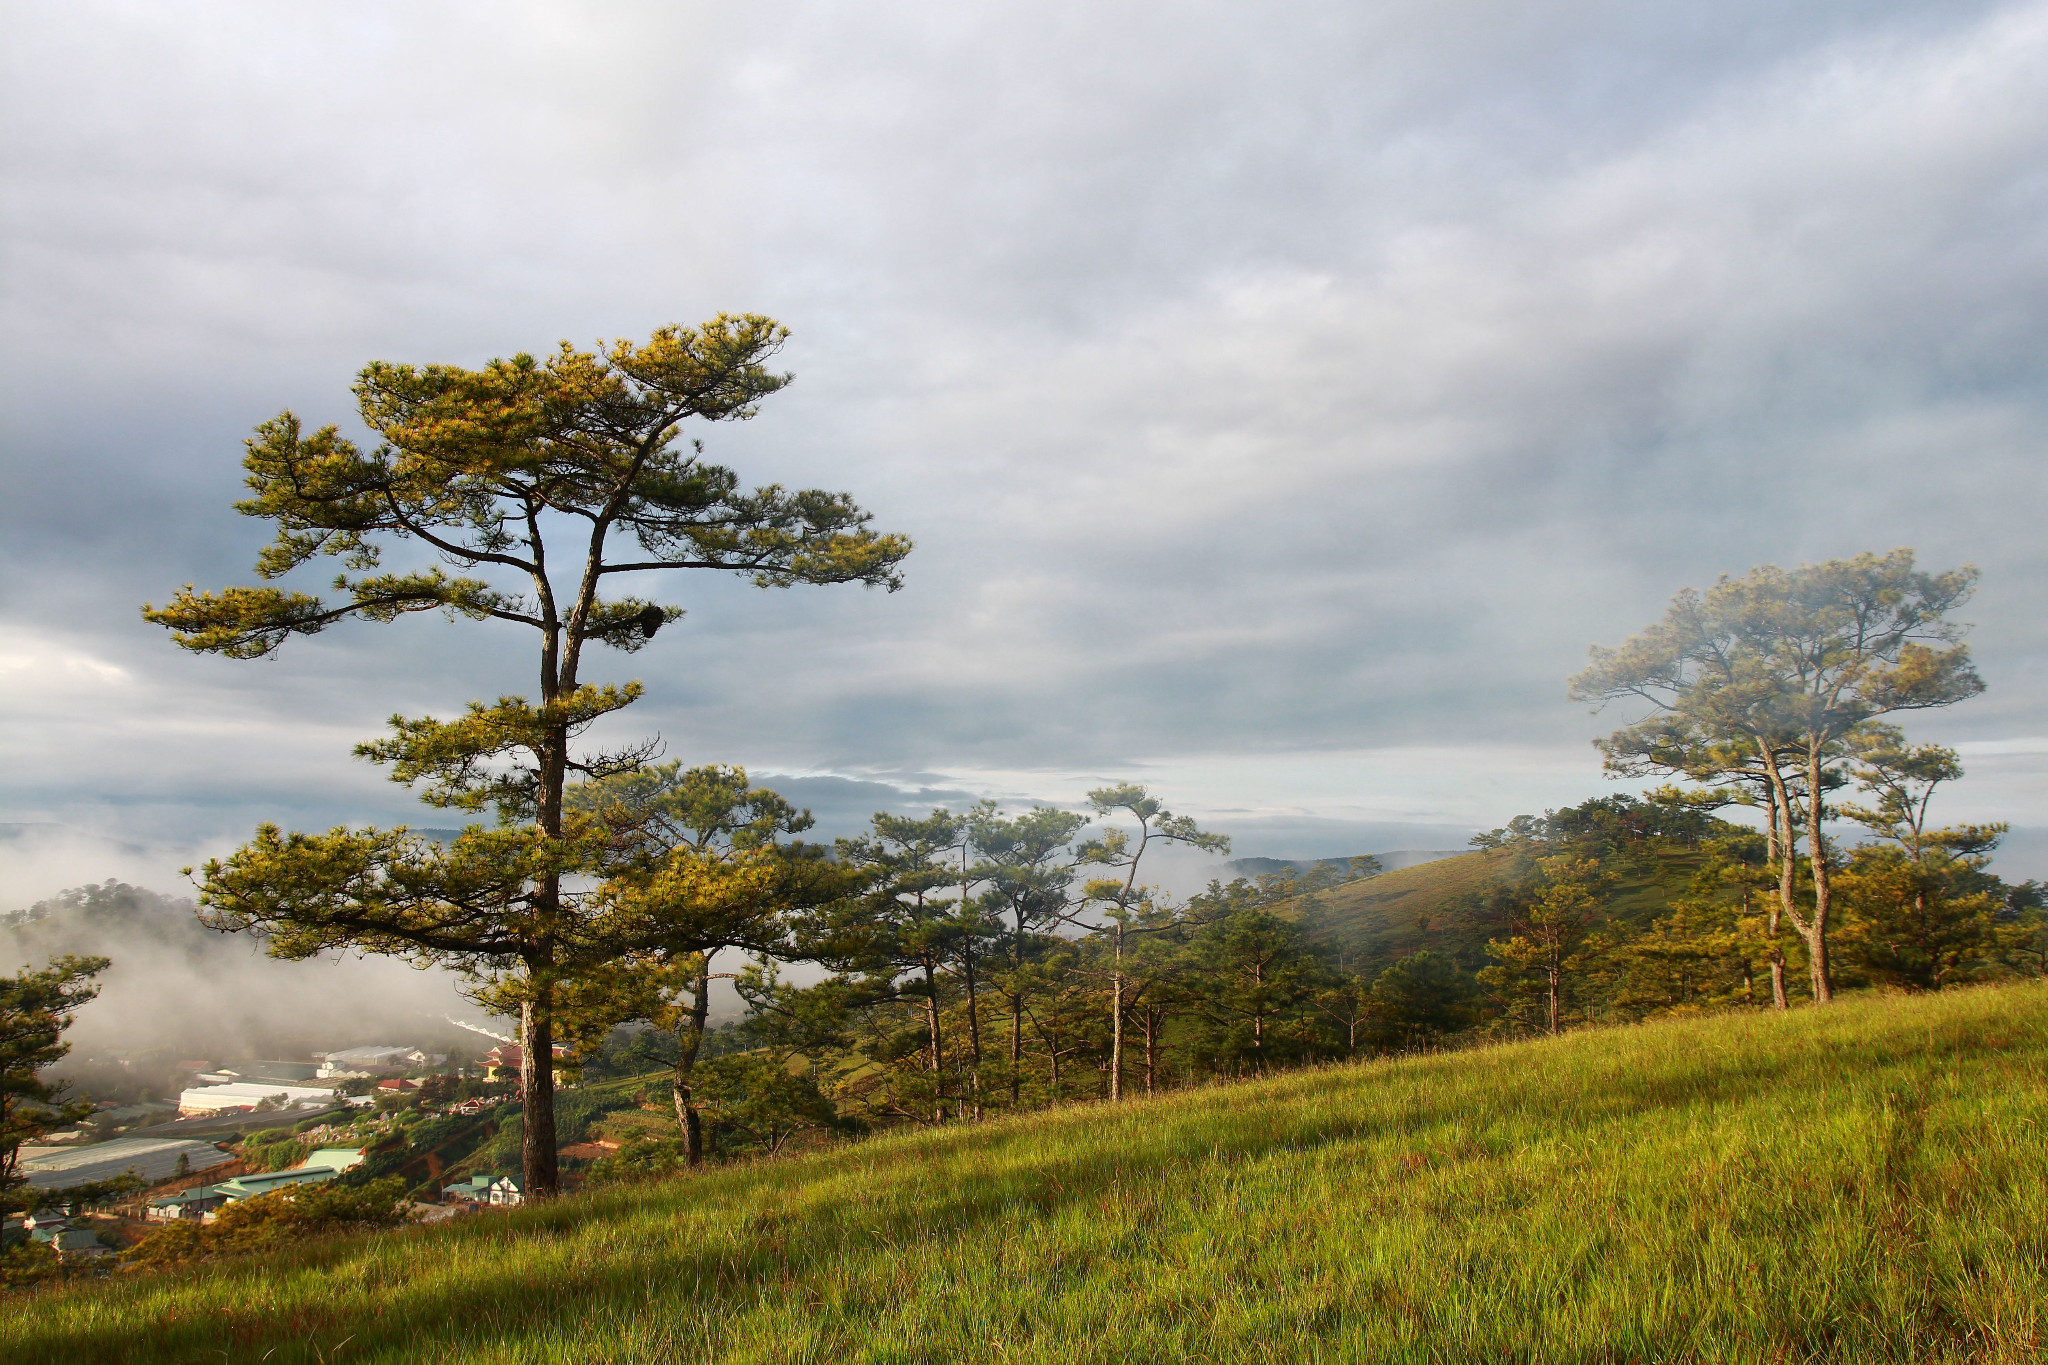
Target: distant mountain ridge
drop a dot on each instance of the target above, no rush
(1390, 862)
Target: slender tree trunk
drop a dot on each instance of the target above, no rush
(1816, 935)
(689, 1042)
(1780, 845)
(973, 1028)
(537, 1159)
(1016, 1051)
(931, 1014)
(1259, 1022)
(973, 996)
(1017, 1016)
(1151, 1049)
(1116, 1021)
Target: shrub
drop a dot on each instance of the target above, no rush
(280, 1216)
(27, 1264)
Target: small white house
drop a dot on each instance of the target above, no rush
(505, 1192)
(187, 1205)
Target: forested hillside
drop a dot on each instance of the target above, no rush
(1451, 906)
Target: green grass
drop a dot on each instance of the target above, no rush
(1431, 905)
(1863, 1183)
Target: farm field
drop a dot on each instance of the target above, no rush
(1863, 1183)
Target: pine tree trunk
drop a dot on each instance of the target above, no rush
(973, 1027)
(1780, 846)
(1017, 1017)
(1816, 935)
(1016, 1052)
(689, 1042)
(1116, 1021)
(1151, 1049)
(938, 1058)
(537, 1160)
(1259, 1021)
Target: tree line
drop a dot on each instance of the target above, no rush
(979, 963)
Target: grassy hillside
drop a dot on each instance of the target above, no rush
(1865, 1183)
(1437, 904)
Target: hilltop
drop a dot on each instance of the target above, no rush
(1861, 1183)
(1441, 904)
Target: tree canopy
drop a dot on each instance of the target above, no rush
(1763, 680)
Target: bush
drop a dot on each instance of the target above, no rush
(641, 1158)
(276, 1156)
(280, 1216)
(27, 1264)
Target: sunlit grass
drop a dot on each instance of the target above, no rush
(1864, 1183)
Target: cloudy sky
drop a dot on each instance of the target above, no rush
(1281, 397)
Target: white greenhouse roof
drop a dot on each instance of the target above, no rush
(56, 1168)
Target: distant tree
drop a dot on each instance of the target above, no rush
(492, 470)
(36, 1006)
(1059, 994)
(1030, 873)
(1777, 671)
(904, 932)
(1421, 999)
(1922, 906)
(1122, 902)
(696, 862)
(2025, 943)
(1257, 975)
(1548, 927)
(759, 1101)
(1345, 1002)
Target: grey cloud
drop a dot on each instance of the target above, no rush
(1253, 381)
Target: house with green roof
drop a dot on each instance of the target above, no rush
(319, 1168)
(194, 1203)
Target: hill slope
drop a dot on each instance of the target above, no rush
(1864, 1183)
(1437, 904)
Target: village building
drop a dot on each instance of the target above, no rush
(319, 1168)
(251, 1095)
(77, 1244)
(506, 1192)
(278, 1073)
(186, 1205)
(502, 1063)
(375, 1061)
(475, 1190)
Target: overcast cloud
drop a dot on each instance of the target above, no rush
(1282, 397)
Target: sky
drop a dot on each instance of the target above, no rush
(1281, 398)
